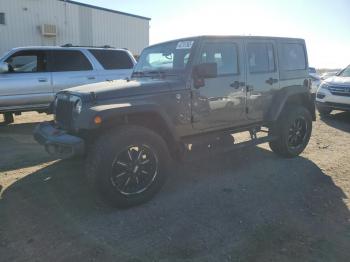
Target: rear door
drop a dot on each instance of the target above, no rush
(70, 68)
(262, 77)
(221, 101)
(116, 64)
(28, 82)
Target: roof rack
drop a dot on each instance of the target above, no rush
(71, 45)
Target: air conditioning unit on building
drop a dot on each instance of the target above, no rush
(48, 30)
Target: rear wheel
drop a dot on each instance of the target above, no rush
(128, 166)
(293, 132)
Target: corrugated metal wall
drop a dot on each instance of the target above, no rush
(78, 25)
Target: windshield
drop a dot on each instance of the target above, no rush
(168, 58)
(345, 72)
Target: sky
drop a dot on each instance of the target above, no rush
(324, 24)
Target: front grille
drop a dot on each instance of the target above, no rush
(340, 90)
(63, 113)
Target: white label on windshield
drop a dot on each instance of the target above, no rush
(184, 45)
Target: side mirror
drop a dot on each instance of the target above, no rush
(206, 70)
(4, 67)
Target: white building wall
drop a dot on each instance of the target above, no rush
(78, 25)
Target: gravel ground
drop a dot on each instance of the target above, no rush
(247, 205)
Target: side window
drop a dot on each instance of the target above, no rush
(224, 54)
(293, 57)
(113, 59)
(261, 58)
(2, 19)
(69, 60)
(27, 62)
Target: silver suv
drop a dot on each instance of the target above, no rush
(31, 76)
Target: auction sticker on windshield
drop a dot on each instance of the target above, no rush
(184, 45)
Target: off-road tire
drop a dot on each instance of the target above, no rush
(282, 130)
(102, 157)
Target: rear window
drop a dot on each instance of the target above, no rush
(69, 60)
(293, 57)
(113, 59)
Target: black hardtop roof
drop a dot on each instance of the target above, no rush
(201, 37)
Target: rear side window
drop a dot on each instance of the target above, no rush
(224, 54)
(261, 58)
(293, 57)
(2, 19)
(27, 62)
(69, 60)
(113, 59)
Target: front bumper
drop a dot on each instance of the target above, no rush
(325, 99)
(334, 106)
(57, 142)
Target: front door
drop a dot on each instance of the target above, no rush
(221, 101)
(27, 84)
(262, 77)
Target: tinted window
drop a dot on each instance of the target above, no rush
(113, 59)
(2, 18)
(27, 62)
(261, 57)
(171, 57)
(293, 57)
(69, 60)
(224, 54)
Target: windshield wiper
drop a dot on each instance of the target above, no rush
(160, 73)
(152, 73)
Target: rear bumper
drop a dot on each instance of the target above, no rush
(57, 142)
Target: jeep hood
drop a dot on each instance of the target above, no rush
(337, 80)
(122, 88)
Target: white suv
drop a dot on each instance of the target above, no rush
(334, 93)
(31, 76)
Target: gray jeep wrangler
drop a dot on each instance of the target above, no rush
(185, 97)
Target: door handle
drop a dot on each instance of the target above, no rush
(271, 81)
(91, 78)
(237, 84)
(42, 80)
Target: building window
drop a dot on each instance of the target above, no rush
(2, 18)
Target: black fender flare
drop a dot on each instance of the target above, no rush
(297, 94)
(121, 111)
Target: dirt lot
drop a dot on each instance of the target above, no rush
(248, 205)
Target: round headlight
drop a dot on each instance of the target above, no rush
(78, 106)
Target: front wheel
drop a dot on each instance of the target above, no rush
(128, 166)
(293, 132)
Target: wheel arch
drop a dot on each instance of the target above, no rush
(148, 116)
(293, 95)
